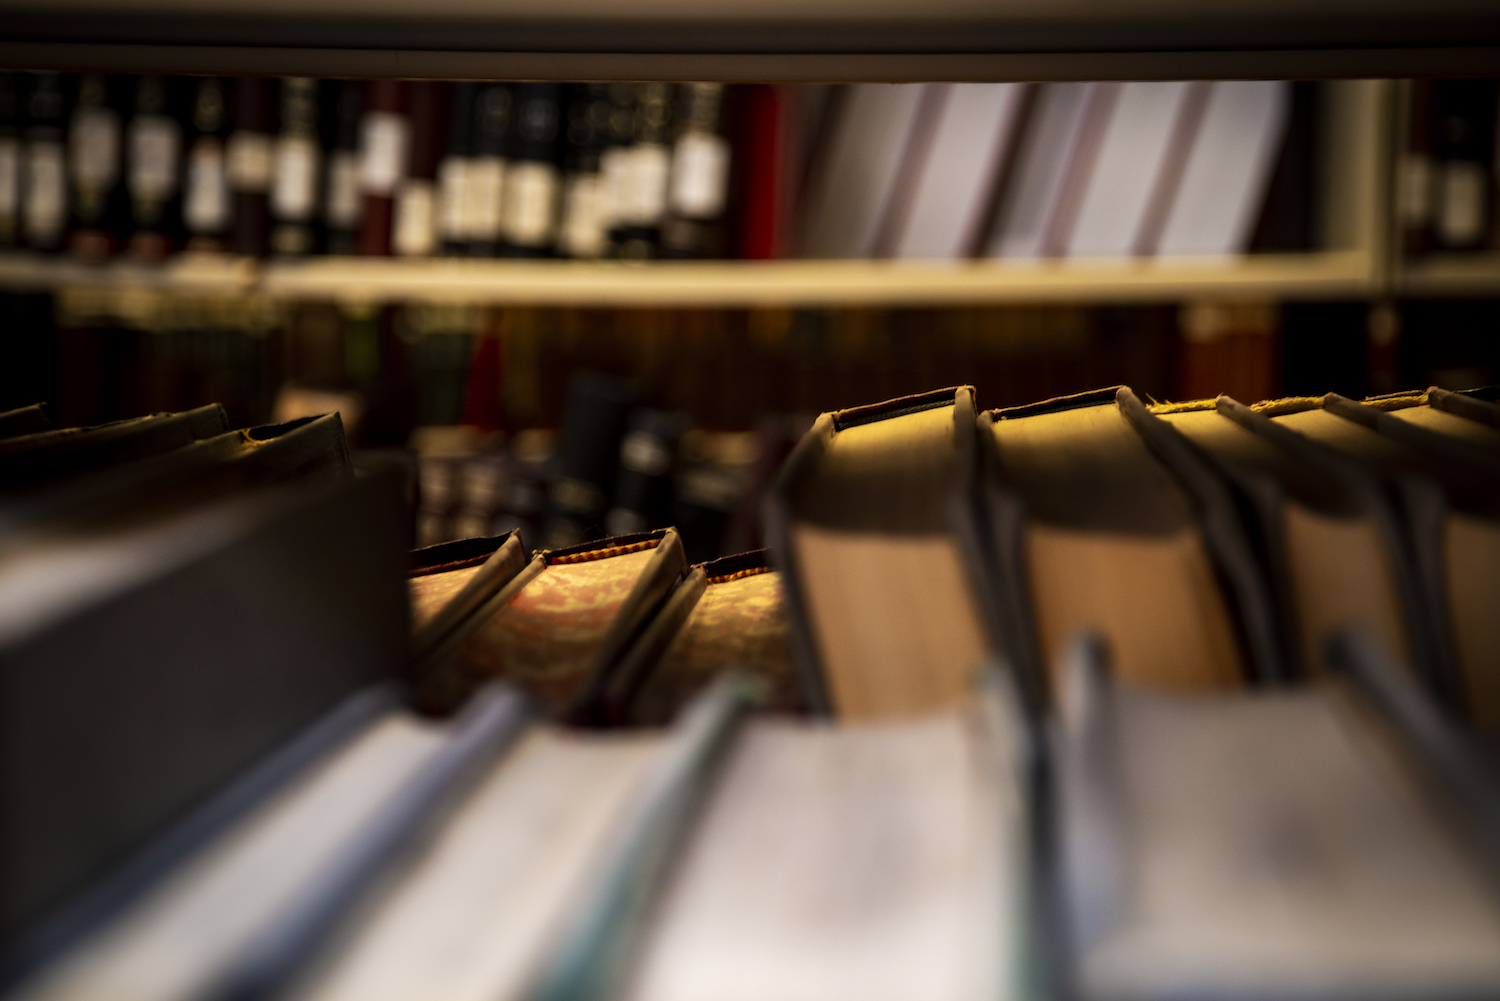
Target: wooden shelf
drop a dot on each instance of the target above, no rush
(713, 283)
(1450, 274)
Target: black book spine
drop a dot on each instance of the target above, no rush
(529, 204)
(297, 169)
(582, 227)
(494, 107)
(206, 207)
(1464, 142)
(10, 159)
(414, 231)
(648, 465)
(614, 160)
(95, 161)
(1415, 180)
(588, 456)
(153, 166)
(699, 183)
(342, 204)
(453, 172)
(44, 185)
(249, 163)
(639, 193)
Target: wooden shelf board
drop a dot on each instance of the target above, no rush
(1450, 274)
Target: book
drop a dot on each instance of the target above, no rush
(1467, 418)
(207, 211)
(1326, 534)
(295, 197)
(639, 173)
(945, 208)
(698, 186)
(343, 204)
(1416, 174)
(842, 899)
(866, 523)
(97, 198)
(582, 228)
(62, 453)
(559, 627)
(595, 422)
(1444, 490)
(852, 189)
(1463, 157)
(727, 612)
(384, 160)
(643, 490)
(1225, 179)
(494, 107)
(414, 224)
(133, 609)
(10, 159)
(250, 164)
(44, 191)
(449, 582)
(1125, 527)
(153, 166)
(24, 421)
(1276, 843)
(453, 171)
(529, 205)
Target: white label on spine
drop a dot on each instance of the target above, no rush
(1461, 214)
(94, 144)
(344, 205)
(155, 145)
(294, 191)
(414, 229)
(643, 198)
(700, 175)
(583, 230)
(250, 161)
(482, 212)
(613, 166)
(205, 206)
(529, 211)
(383, 141)
(45, 208)
(453, 181)
(1414, 189)
(10, 181)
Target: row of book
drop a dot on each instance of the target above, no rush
(1448, 171)
(147, 166)
(1091, 697)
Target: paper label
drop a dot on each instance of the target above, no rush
(482, 209)
(344, 205)
(383, 146)
(700, 175)
(529, 210)
(206, 202)
(1461, 214)
(643, 195)
(250, 161)
(583, 230)
(10, 181)
(453, 181)
(94, 147)
(414, 229)
(45, 209)
(614, 164)
(155, 145)
(294, 190)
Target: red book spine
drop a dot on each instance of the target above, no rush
(384, 155)
(762, 176)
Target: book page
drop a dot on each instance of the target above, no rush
(430, 592)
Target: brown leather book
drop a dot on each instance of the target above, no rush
(870, 524)
(1458, 415)
(560, 626)
(451, 581)
(23, 420)
(1325, 533)
(1448, 494)
(727, 613)
(48, 456)
(1129, 533)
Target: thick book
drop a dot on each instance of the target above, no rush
(559, 627)
(153, 165)
(24, 421)
(49, 456)
(1448, 495)
(595, 422)
(342, 203)
(698, 187)
(297, 171)
(250, 164)
(294, 595)
(10, 159)
(1129, 533)
(1325, 532)
(384, 161)
(44, 196)
(1267, 844)
(729, 612)
(494, 109)
(869, 525)
(451, 581)
(97, 200)
(582, 228)
(207, 209)
(529, 205)
(414, 225)
(1456, 415)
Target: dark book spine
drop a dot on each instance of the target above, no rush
(453, 172)
(493, 111)
(582, 228)
(44, 184)
(640, 188)
(1463, 143)
(342, 205)
(648, 464)
(384, 155)
(95, 160)
(205, 203)
(698, 186)
(249, 164)
(594, 423)
(529, 204)
(153, 166)
(614, 159)
(1415, 177)
(10, 160)
(297, 169)
(760, 187)
(415, 229)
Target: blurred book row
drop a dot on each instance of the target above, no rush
(149, 166)
(1084, 698)
(1448, 170)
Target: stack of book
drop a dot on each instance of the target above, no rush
(146, 166)
(1094, 697)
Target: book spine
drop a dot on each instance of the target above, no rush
(1415, 187)
(582, 230)
(698, 186)
(648, 464)
(205, 202)
(298, 161)
(94, 167)
(343, 206)
(153, 167)
(454, 170)
(384, 159)
(639, 186)
(10, 160)
(1463, 141)
(415, 228)
(760, 184)
(250, 162)
(529, 205)
(494, 107)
